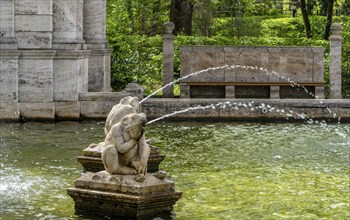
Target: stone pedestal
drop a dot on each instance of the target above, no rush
(91, 159)
(123, 195)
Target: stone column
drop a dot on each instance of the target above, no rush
(95, 22)
(95, 37)
(335, 62)
(68, 24)
(168, 59)
(7, 17)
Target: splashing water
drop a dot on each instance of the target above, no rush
(227, 67)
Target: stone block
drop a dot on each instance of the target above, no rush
(204, 61)
(33, 23)
(35, 83)
(33, 7)
(67, 110)
(37, 111)
(99, 71)
(9, 111)
(95, 109)
(8, 79)
(96, 74)
(34, 40)
(66, 75)
(70, 74)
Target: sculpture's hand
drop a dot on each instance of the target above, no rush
(140, 167)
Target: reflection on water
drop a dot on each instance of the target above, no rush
(226, 170)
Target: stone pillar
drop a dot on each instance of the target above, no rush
(95, 22)
(168, 59)
(95, 38)
(7, 17)
(335, 62)
(68, 24)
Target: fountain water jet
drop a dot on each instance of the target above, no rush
(230, 67)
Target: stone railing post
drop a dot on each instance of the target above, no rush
(335, 62)
(168, 59)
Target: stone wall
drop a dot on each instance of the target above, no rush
(50, 52)
(299, 64)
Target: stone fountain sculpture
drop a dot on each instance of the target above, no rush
(125, 187)
(91, 158)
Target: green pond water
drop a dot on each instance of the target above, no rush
(226, 170)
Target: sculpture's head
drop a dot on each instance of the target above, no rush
(135, 124)
(133, 101)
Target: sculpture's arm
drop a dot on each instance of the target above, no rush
(119, 142)
(144, 152)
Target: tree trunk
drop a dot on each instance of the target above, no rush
(181, 12)
(310, 6)
(306, 19)
(329, 20)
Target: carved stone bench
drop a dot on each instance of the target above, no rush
(252, 72)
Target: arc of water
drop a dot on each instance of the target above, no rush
(182, 78)
(292, 83)
(262, 106)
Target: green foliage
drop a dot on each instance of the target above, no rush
(134, 29)
(137, 59)
(283, 27)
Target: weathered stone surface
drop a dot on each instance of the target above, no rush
(99, 71)
(32, 71)
(7, 19)
(67, 110)
(95, 21)
(335, 62)
(37, 111)
(70, 74)
(33, 23)
(33, 7)
(9, 111)
(35, 83)
(123, 196)
(155, 108)
(34, 40)
(251, 64)
(68, 21)
(9, 79)
(168, 59)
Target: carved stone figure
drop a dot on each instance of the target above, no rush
(126, 150)
(121, 186)
(126, 106)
